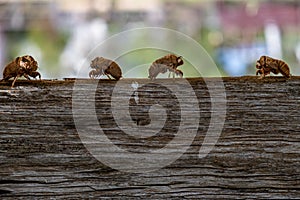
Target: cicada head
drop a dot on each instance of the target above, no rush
(179, 61)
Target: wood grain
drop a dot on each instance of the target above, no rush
(256, 156)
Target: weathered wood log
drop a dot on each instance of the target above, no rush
(256, 156)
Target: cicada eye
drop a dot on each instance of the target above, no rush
(258, 65)
(179, 60)
(24, 59)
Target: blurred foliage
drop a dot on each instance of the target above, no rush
(46, 46)
(51, 46)
(14, 39)
(46, 40)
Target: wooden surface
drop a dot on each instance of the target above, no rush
(256, 156)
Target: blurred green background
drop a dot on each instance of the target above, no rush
(61, 33)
